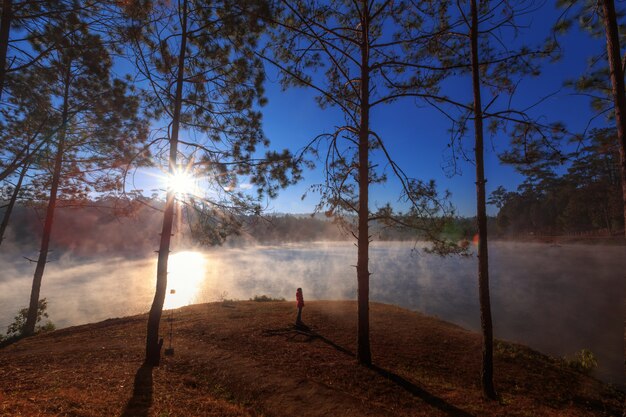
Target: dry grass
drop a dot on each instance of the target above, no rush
(246, 359)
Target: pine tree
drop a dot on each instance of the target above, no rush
(476, 42)
(20, 23)
(352, 53)
(97, 130)
(203, 80)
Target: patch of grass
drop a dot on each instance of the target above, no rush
(229, 302)
(584, 361)
(508, 350)
(265, 298)
(226, 302)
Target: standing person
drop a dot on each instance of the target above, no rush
(300, 304)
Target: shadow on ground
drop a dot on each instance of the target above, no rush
(430, 399)
(141, 401)
(424, 395)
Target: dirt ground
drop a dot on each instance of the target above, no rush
(247, 359)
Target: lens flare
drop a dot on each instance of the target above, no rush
(181, 183)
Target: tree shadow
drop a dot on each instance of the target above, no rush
(141, 401)
(421, 393)
(407, 385)
(403, 383)
(291, 332)
(341, 349)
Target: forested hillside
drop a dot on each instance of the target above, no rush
(130, 228)
(116, 227)
(584, 198)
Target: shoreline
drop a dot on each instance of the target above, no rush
(565, 240)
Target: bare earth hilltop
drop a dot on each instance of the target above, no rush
(246, 358)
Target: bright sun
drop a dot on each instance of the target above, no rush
(186, 274)
(181, 183)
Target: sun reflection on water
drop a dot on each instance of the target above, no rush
(186, 273)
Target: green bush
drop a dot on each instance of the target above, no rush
(584, 361)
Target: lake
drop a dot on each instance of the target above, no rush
(556, 299)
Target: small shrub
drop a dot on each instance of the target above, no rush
(47, 327)
(264, 298)
(16, 329)
(584, 361)
(510, 350)
(223, 298)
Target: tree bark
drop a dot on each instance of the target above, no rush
(617, 83)
(619, 98)
(5, 30)
(153, 344)
(9, 210)
(31, 319)
(364, 355)
(481, 216)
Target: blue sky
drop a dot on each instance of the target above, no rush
(417, 136)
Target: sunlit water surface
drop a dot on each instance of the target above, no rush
(557, 299)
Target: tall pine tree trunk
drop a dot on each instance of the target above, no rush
(619, 98)
(153, 344)
(9, 210)
(481, 216)
(617, 82)
(5, 30)
(364, 355)
(31, 319)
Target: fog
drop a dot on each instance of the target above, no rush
(556, 299)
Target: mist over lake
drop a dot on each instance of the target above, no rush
(556, 299)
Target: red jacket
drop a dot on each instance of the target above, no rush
(299, 299)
